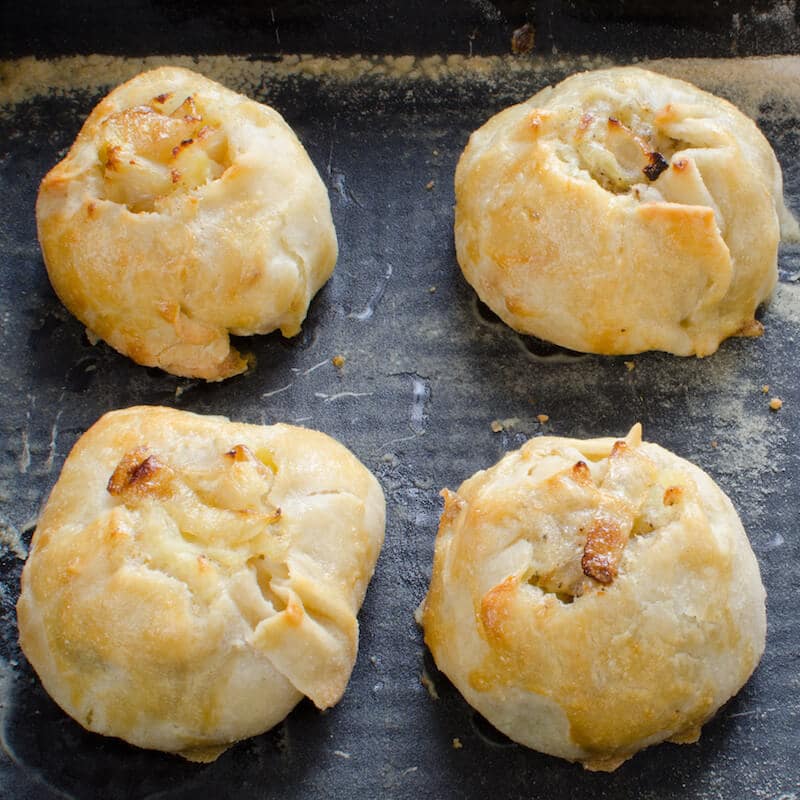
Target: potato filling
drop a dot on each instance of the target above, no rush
(622, 154)
(581, 531)
(149, 152)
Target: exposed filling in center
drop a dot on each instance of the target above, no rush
(221, 512)
(622, 154)
(579, 545)
(149, 152)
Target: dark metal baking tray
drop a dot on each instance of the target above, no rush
(427, 372)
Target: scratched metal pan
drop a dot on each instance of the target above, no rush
(427, 372)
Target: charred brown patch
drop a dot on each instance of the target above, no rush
(113, 160)
(187, 110)
(162, 98)
(580, 473)
(618, 449)
(240, 452)
(680, 165)
(182, 146)
(672, 495)
(656, 166)
(602, 552)
(138, 474)
(174, 175)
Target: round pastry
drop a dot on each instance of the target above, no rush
(184, 212)
(591, 598)
(621, 211)
(191, 578)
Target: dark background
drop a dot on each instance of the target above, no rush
(432, 370)
(651, 28)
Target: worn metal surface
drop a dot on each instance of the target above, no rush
(643, 28)
(427, 372)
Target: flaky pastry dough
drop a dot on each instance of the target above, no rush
(591, 598)
(184, 212)
(191, 578)
(621, 211)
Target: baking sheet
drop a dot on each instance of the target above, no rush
(428, 370)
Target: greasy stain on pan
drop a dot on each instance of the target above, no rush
(427, 372)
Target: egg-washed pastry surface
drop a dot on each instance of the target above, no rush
(184, 212)
(621, 211)
(591, 598)
(191, 578)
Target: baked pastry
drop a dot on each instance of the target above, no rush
(591, 598)
(184, 212)
(621, 211)
(191, 578)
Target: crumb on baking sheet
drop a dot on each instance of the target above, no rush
(714, 443)
(630, 365)
(748, 81)
(11, 537)
(498, 425)
(430, 184)
(457, 743)
(428, 683)
(765, 389)
(775, 404)
(338, 361)
(543, 418)
(432, 289)
(523, 39)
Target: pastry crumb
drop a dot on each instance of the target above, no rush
(341, 754)
(430, 184)
(543, 418)
(457, 744)
(498, 425)
(775, 404)
(522, 40)
(431, 289)
(338, 361)
(714, 443)
(765, 389)
(630, 365)
(428, 683)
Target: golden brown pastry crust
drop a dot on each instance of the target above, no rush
(591, 598)
(621, 211)
(184, 212)
(192, 578)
